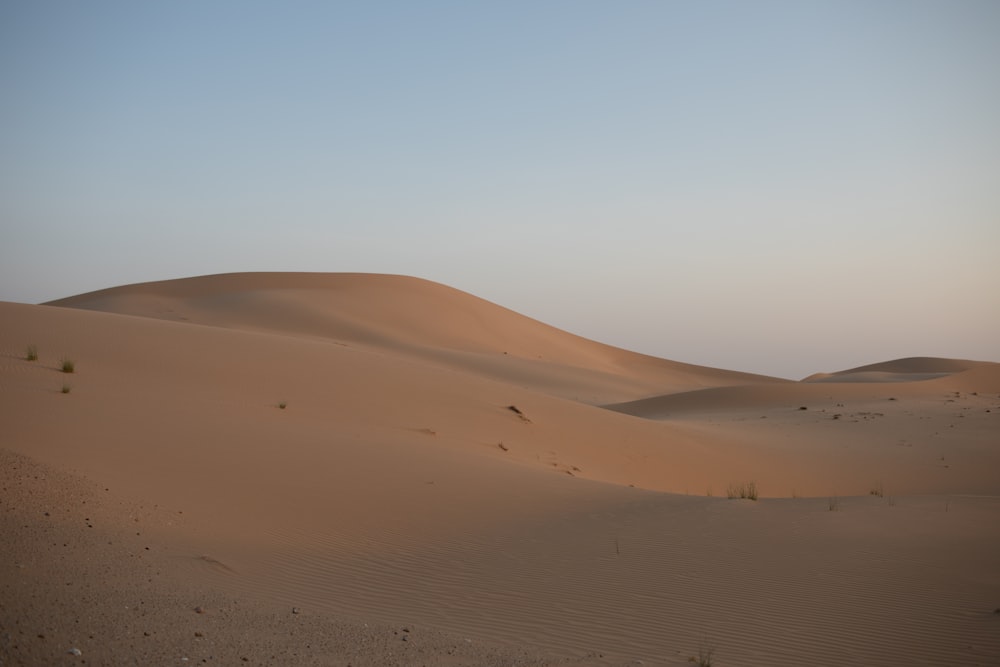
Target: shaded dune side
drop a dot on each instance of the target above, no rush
(915, 365)
(415, 317)
(910, 369)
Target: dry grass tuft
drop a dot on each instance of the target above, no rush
(746, 491)
(704, 658)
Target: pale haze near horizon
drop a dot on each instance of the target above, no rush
(776, 187)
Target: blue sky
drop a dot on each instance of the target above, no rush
(775, 186)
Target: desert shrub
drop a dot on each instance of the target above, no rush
(746, 491)
(704, 658)
(31, 354)
(67, 366)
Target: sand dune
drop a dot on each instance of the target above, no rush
(916, 365)
(822, 437)
(411, 317)
(507, 492)
(852, 385)
(913, 369)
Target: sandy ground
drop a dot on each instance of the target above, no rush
(450, 483)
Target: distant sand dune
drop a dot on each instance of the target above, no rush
(913, 369)
(852, 385)
(397, 487)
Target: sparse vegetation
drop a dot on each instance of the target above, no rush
(877, 490)
(745, 491)
(834, 505)
(704, 658)
(67, 366)
(282, 405)
(66, 388)
(31, 354)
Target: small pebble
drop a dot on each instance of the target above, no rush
(296, 610)
(75, 651)
(199, 610)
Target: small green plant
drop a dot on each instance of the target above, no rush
(877, 490)
(834, 505)
(282, 405)
(67, 366)
(31, 354)
(66, 388)
(746, 491)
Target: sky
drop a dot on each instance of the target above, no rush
(782, 187)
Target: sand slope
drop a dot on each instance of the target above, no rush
(407, 316)
(397, 487)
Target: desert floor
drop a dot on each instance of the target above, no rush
(349, 469)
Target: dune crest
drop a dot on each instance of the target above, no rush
(411, 317)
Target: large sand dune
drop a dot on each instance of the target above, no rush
(508, 492)
(410, 317)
